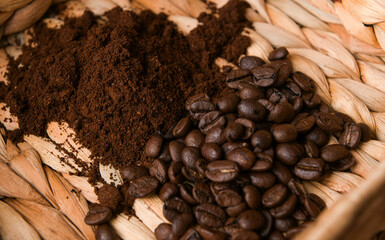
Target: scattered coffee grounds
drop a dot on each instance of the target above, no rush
(119, 82)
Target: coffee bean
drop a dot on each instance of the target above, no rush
(228, 198)
(284, 133)
(303, 81)
(314, 205)
(229, 103)
(268, 224)
(283, 68)
(243, 156)
(105, 232)
(193, 174)
(202, 194)
(275, 95)
(304, 122)
(243, 179)
(311, 149)
(250, 62)
(215, 135)
(248, 127)
(365, 132)
(190, 156)
(309, 168)
(168, 190)
(218, 187)
(245, 235)
(211, 120)
(334, 152)
(274, 196)
(211, 234)
(230, 146)
(153, 146)
(233, 132)
(234, 211)
(264, 76)
(297, 104)
(182, 127)
(191, 234)
(201, 165)
(281, 113)
(196, 98)
(282, 173)
(165, 155)
(351, 135)
(289, 153)
(250, 220)
(132, 172)
(278, 53)
(284, 224)
(235, 77)
(164, 232)
(329, 122)
(174, 207)
(251, 92)
(262, 139)
(263, 162)
(211, 151)
(194, 138)
(285, 209)
(252, 196)
(343, 164)
(176, 148)
(297, 188)
(175, 172)
(98, 215)
(318, 136)
(143, 186)
(222, 171)
(210, 215)
(202, 106)
(181, 223)
(299, 215)
(252, 110)
(158, 170)
(186, 193)
(311, 100)
(262, 180)
(276, 235)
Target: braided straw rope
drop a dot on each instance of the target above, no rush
(341, 46)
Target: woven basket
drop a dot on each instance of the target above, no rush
(341, 45)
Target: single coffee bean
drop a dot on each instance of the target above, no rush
(285, 209)
(232, 226)
(365, 132)
(222, 171)
(194, 138)
(175, 172)
(252, 110)
(297, 188)
(215, 135)
(309, 168)
(201, 106)
(284, 133)
(250, 220)
(228, 198)
(311, 100)
(229, 103)
(297, 103)
(304, 122)
(276, 235)
(201, 193)
(311, 149)
(105, 232)
(164, 232)
(267, 226)
(274, 196)
(250, 62)
(318, 136)
(281, 113)
(176, 148)
(235, 77)
(263, 162)
(292, 90)
(168, 190)
(230, 146)
(190, 156)
(186, 193)
(334, 152)
(233, 132)
(262, 139)
(174, 207)
(196, 98)
(251, 92)
(329, 122)
(181, 223)
(143, 186)
(211, 234)
(343, 164)
(284, 224)
(249, 127)
(210, 215)
(201, 166)
(218, 187)
(191, 234)
(282, 173)
(275, 95)
(289, 153)
(211, 151)
(299, 215)
(243, 156)
(165, 155)
(283, 69)
(193, 174)
(303, 81)
(153, 146)
(278, 53)
(314, 205)
(211, 120)
(262, 180)
(132, 172)
(158, 170)
(245, 235)
(252, 196)
(234, 211)
(98, 215)
(264, 76)
(182, 127)
(351, 135)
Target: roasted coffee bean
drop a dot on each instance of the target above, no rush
(343, 164)
(303, 81)
(283, 68)
(164, 232)
(230, 146)
(186, 193)
(176, 148)
(281, 113)
(351, 135)
(174, 207)
(264, 76)
(231, 226)
(250, 62)
(218, 187)
(314, 205)
(289, 153)
(210, 215)
(168, 190)
(132, 172)
(215, 135)
(228, 198)
(191, 234)
(274, 196)
(222, 171)
(98, 214)
(297, 104)
(158, 170)
(262, 139)
(229, 103)
(284, 224)
(165, 155)
(190, 156)
(329, 122)
(365, 132)
(284, 133)
(262, 180)
(201, 166)
(318, 136)
(334, 152)
(285, 209)
(201, 193)
(299, 215)
(233, 132)
(263, 162)
(196, 98)
(245, 235)
(251, 92)
(278, 53)
(304, 122)
(252, 196)
(195, 138)
(181, 223)
(250, 220)
(175, 172)
(252, 110)
(234, 211)
(211, 151)
(211, 234)
(201, 106)
(153, 146)
(275, 95)
(248, 127)
(211, 120)
(297, 188)
(243, 156)
(143, 186)
(309, 168)
(292, 90)
(282, 173)
(235, 77)
(105, 232)
(192, 174)
(182, 127)
(311, 100)
(311, 149)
